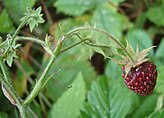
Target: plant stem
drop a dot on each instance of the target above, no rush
(69, 47)
(11, 91)
(35, 40)
(16, 32)
(93, 45)
(19, 27)
(103, 32)
(39, 85)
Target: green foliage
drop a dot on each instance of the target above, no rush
(16, 8)
(160, 50)
(146, 108)
(110, 20)
(140, 22)
(98, 104)
(68, 71)
(160, 80)
(112, 70)
(72, 100)
(74, 7)
(139, 37)
(109, 98)
(3, 115)
(9, 50)
(20, 82)
(159, 114)
(155, 15)
(34, 18)
(7, 26)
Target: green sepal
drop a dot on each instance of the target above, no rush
(130, 49)
(33, 18)
(139, 57)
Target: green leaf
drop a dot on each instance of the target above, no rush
(10, 50)
(16, 8)
(70, 23)
(69, 69)
(3, 115)
(71, 102)
(112, 70)
(155, 15)
(122, 100)
(139, 37)
(98, 103)
(117, 1)
(110, 20)
(6, 25)
(159, 53)
(146, 108)
(159, 114)
(74, 7)
(160, 80)
(109, 99)
(106, 18)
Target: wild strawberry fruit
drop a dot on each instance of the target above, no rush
(138, 72)
(142, 78)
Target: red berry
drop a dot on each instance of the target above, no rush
(141, 79)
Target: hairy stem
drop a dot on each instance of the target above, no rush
(19, 27)
(11, 91)
(67, 48)
(102, 32)
(92, 45)
(40, 83)
(16, 32)
(32, 39)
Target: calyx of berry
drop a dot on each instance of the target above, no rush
(133, 58)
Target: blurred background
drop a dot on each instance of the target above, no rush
(88, 85)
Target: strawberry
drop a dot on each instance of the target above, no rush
(142, 78)
(138, 72)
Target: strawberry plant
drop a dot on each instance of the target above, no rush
(75, 69)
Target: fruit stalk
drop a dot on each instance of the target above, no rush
(102, 32)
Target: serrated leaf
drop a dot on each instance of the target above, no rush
(71, 102)
(109, 100)
(69, 69)
(16, 8)
(159, 114)
(74, 7)
(122, 100)
(146, 108)
(155, 15)
(6, 25)
(109, 20)
(98, 104)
